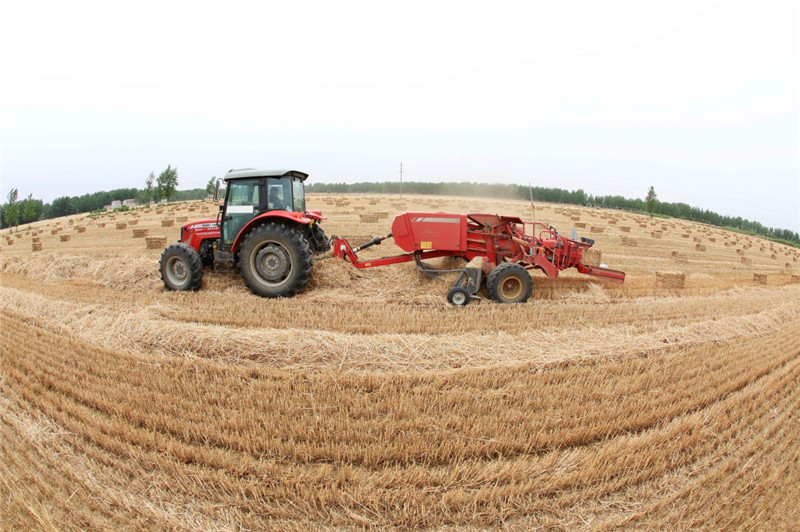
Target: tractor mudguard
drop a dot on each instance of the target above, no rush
(294, 217)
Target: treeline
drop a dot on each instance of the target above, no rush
(558, 195)
(19, 212)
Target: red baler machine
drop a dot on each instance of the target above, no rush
(508, 247)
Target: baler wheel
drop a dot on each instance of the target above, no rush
(181, 267)
(458, 296)
(509, 283)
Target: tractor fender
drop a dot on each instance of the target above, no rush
(294, 218)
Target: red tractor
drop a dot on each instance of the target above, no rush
(262, 227)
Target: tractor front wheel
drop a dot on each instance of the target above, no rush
(509, 283)
(275, 260)
(181, 267)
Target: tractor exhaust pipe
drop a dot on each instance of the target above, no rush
(374, 241)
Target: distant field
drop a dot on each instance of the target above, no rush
(670, 402)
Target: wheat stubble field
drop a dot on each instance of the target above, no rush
(670, 402)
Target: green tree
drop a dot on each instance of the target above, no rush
(211, 185)
(167, 183)
(29, 210)
(650, 201)
(11, 210)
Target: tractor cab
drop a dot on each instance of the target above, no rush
(251, 193)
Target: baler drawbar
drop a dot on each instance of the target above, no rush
(500, 251)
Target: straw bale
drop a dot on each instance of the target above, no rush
(368, 218)
(156, 242)
(36, 239)
(612, 222)
(122, 225)
(182, 219)
(36, 246)
(54, 231)
(656, 234)
(670, 280)
(712, 239)
(628, 241)
(167, 222)
(101, 225)
(71, 222)
(773, 256)
(81, 228)
(625, 228)
(760, 278)
(700, 247)
(64, 238)
(382, 215)
(133, 222)
(685, 235)
(592, 257)
(795, 278)
(10, 241)
(746, 260)
(140, 233)
(596, 229)
(576, 218)
(581, 225)
(18, 235)
(697, 239)
(679, 256)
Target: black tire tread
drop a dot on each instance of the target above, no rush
(294, 238)
(499, 274)
(191, 257)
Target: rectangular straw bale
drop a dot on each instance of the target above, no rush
(760, 278)
(36, 246)
(592, 257)
(697, 239)
(9, 241)
(36, 239)
(64, 238)
(596, 229)
(628, 241)
(182, 219)
(712, 239)
(54, 231)
(368, 218)
(167, 222)
(679, 256)
(671, 280)
(101, 225)
(122, 225)
(685, 235)
(625, 228)
(140, 233)
(81, 228)
(795, 278)
(773, 256)
(747, 261)
(133, 222)
(156, 242)
(656, 234)
(700, 247)
(581, 225)
(382, 215)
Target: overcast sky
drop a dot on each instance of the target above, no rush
(699, 99)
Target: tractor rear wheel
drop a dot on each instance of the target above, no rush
(509, 283)
(181, 267)
(275, 260)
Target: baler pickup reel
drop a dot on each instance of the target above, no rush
(500, 249)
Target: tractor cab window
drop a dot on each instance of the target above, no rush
(298, 195)
(244, 199)
(280, 195)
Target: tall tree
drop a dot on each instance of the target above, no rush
(167, 183)
(650, 201)
(211, 185)
(29, 211)
(11, 210)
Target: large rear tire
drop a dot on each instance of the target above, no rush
(275, 260)
(181, 267)
(509, 283)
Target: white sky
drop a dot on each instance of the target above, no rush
(699, 99)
